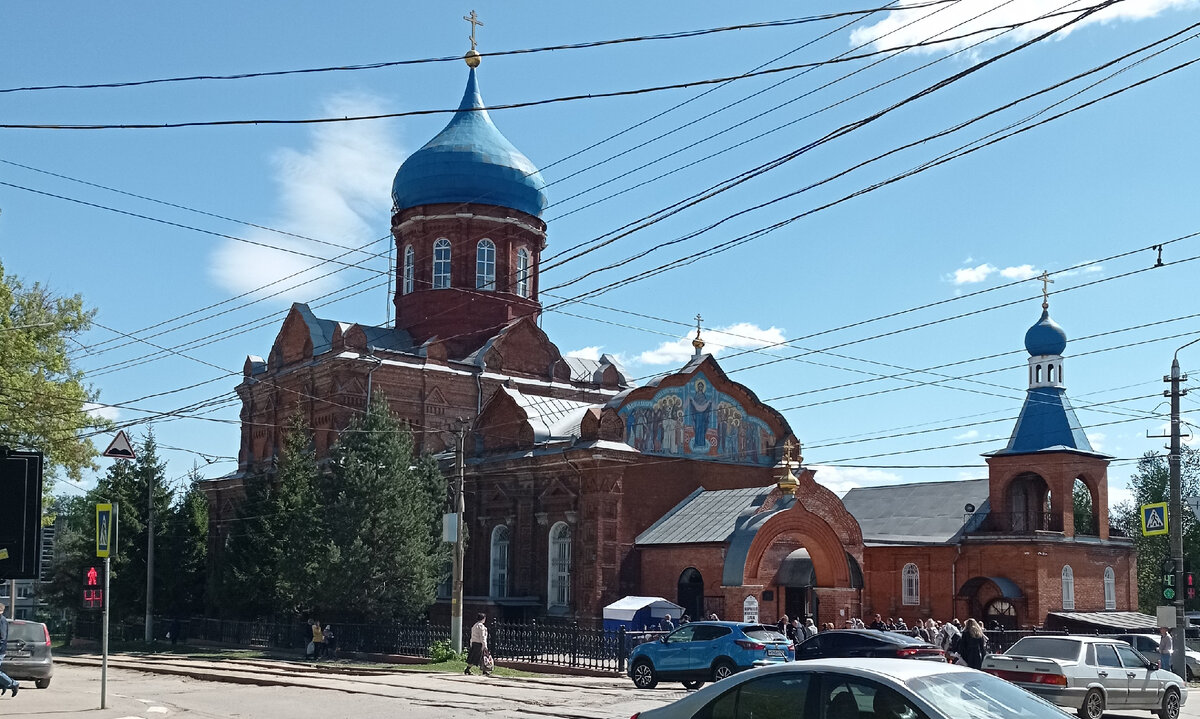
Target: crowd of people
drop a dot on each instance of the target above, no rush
(963, 642)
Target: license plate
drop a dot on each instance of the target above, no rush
(21, 655)
(774, 652)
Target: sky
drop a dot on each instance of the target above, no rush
(904, 176)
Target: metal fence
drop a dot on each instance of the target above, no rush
(565, 645)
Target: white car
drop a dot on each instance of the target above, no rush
(857, 689)
(1089, 675)
(1147, 645)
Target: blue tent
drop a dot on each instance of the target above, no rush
(639, 613)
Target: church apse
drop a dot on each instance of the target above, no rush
(697, 421)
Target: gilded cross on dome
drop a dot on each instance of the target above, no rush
(788, 484)
(698, 343)
(474, 20)
(1046, 282)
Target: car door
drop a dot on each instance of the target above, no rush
(1143, 691)
(780, 695)
(673, 655)
(1111, 673)
(708, 642)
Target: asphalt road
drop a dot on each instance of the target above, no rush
(137, 689)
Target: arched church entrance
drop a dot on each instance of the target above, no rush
(1029, 504)
(993, 600)
(1000, 614)
(690, 593)
(796, 578)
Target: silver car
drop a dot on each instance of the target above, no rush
(859, 688)
(1147, 645)
(29, 656)
(1089, 675)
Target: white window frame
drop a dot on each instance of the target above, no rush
(441, 264)
(524, 262)
(498, 579)
(558, 569)
(1068, 588)
(485, 266)
(410, 259)
(910, 584)
(1110, 589)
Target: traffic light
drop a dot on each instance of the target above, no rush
(1189, 586)
(1169, 590)
(93, 586)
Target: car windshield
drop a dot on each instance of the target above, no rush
(26, 632)
(1048, 647)
(764, 633)
(975, 695)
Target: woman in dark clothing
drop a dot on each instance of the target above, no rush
(973, 644)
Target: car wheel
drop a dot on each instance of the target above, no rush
(1093, 705)
(42, 683)
(1170, 705)
(644, 676)
(693, 684)
(722, 670)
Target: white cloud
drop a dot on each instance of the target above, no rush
(840, 480)
(102, 411)
(972, 275)
(336, 190)
(969, 434)
(1096, 439)
(588, 353)
(906, 27)
(735, 336)
(1020, 272)
(1085, 270)
(1119, 495)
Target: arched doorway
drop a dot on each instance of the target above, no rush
(690, 593)
(1028, 504)
(1000, 614)
(992, 599)
(796, 578)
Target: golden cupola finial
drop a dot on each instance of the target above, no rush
(472, 57)
(698, 343)
(788, 484)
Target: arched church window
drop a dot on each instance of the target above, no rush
(1037, 374)
(1068, 588)
(499, 576)
(410, 258)
(441, 264)
(523, 263)
(911, 584)
(485, 265)
(1110, 588)
(558, 585)
(1050, 373)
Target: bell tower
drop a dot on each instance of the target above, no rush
(466, 218)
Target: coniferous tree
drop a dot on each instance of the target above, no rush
(251, 555)
(184, 564)
(298, 519)
(382, 510)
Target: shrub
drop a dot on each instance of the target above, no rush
(440, 651)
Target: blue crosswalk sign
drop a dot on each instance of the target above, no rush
(1154, 519)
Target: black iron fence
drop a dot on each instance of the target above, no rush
(565, 645)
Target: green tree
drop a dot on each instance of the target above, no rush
(45, 399)
(382, 509)
(251, 555)
(1151, 484)
(1082, 499)
(183, 561)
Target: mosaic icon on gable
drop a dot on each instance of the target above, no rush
(698, 421)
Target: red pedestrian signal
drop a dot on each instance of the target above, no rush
(1189, 585)
(93, 587)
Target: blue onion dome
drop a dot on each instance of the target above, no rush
(470, 161)
(1045, 337)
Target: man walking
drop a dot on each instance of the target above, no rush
(6, 683)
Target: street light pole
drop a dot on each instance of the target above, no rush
(1175, 510)
(456, 600)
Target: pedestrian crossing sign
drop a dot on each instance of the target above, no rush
(1154, 519)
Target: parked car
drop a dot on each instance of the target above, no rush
(706, 651)
(857, 689)
(1147, 645)
(1089, 675)
(867, 643)
(29, 657)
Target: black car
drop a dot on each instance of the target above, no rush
(866, 643)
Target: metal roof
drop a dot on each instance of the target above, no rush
(921, 512)
(703, 516)
(470, 160)
(550, 417)
(1101, 620)
(1047, 422)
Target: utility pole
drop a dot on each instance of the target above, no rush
(1175, 513)
(150, 556)
(456, 600)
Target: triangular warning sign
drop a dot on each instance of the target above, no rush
(1154, 519)
(120, 448)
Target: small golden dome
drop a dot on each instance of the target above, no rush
(472, 58)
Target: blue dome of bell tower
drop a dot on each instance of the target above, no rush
(1045, 337)
(470, 161)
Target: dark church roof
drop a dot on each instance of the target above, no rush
(1047, 423)
(917, 513)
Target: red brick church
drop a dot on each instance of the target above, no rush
(583, 488)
